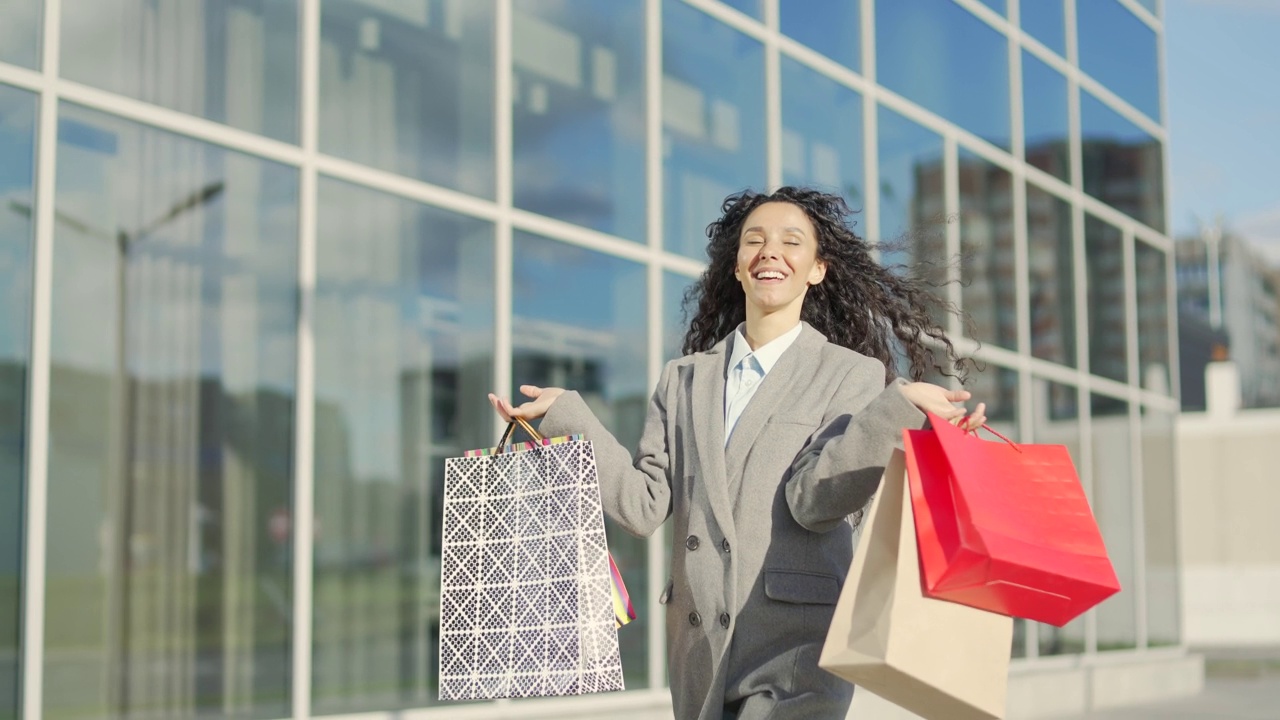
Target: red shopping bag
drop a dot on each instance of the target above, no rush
(1004, 527)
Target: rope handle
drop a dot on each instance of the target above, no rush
(989, 429)
(506, 436)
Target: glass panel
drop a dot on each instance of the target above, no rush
(754, 8)
(832, 27)
(404, 358)
(171, 427)
(821, 149)
(17, 197)
(1046, 21)
(674, 322)
(1119, 51)
(21, 31)
(408, 88)
(941, 56)
(713, 140)
(912, 202)
(1056, 420)
(988, 272)
(1152, 284)
(1051, 266)
(1046, 132)
(579, 323)
(1150, 5)
(578, 93)
(1160, 515)
(1123, 166)
(997, 5)
(1113, 508)
(1108, 328)
(232, 62)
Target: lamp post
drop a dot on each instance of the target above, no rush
(118, 630)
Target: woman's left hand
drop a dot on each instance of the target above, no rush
(942, 402)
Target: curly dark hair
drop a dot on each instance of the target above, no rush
(875, 310)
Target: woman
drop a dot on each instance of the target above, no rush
(764, 442)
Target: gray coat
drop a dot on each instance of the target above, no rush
(763, 538)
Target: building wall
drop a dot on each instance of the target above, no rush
(1230, 540)
(261, 261)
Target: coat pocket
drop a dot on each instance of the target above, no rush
(665, 597)
(801, 588)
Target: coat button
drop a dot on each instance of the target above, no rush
(695, 619)
(724, 620)
(725, 544)
(692, 542)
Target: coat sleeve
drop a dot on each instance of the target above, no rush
(635, 492)
(841, 467)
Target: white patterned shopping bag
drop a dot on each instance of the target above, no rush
(526, 605)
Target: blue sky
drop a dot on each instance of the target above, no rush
(1223, 85)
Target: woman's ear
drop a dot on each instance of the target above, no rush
(818, 272)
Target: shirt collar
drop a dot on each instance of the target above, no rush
(769, 353)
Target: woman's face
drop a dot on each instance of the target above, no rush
(778, 258)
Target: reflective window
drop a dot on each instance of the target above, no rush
(1160, 518)
(1108, 328)
(988, 273)
(713, 139)
(1046, 21)
(1119, 50)
(943, 57)
(404, 358)
(20, 33)
(832, 27)
(578, 105)
(1113, 507)
(1122, 163)
(1056, 421)
(1051, 269)
(1150, 5)
(1045, 129)
(912, 203)
(232, 62)
(17, 197)
(754, 8)
(171, 427)
(1152, 285)
(674, 321)
(821, 149)
(579, 323)
(408, 88)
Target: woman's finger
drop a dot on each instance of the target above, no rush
(531, 391)
(500, 406)
(957, 396)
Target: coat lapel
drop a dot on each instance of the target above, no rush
(797, 365)
(708, 430)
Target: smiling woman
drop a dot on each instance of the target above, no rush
(777, 421)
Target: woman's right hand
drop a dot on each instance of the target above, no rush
(540, 402)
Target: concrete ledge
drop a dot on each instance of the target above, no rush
(1053, 687)
(1146, 681)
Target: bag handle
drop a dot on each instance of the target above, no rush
(506, 436)
(989, 429)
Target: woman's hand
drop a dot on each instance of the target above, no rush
(532, 410)
(941, 402)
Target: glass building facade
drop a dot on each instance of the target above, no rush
(261, 260)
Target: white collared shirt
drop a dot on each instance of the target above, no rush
(747, 369)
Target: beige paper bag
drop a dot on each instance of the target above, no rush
(936, 658)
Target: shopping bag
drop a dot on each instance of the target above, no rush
(1005, 526)
(529, 596)
(935, 658)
